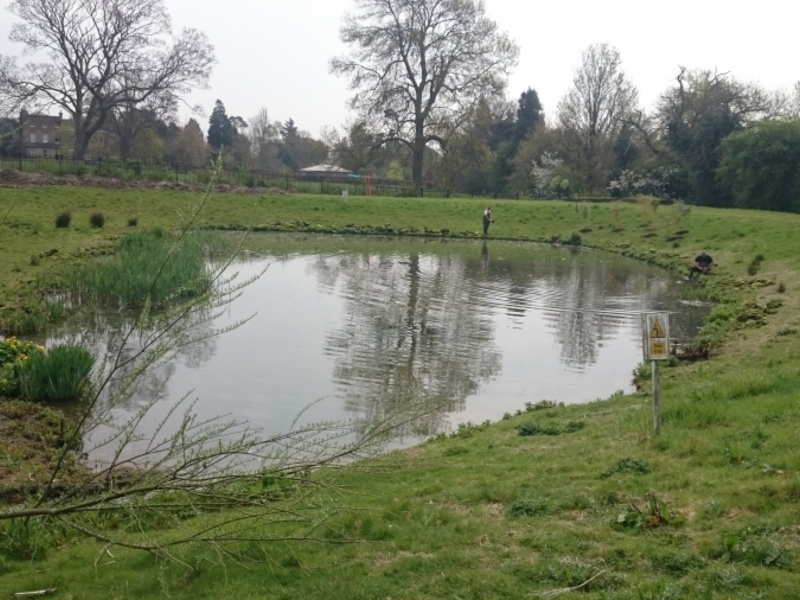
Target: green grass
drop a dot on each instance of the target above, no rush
(490, 513)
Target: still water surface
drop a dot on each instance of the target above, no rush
(363, 324)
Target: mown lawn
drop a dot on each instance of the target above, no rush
(592, 501)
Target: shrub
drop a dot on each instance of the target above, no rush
(59, 375)
(63, 220)
(97, 219)
(574, 240)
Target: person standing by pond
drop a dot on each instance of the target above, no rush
(487, 219)
(702, 264)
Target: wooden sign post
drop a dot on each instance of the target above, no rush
(656, 348)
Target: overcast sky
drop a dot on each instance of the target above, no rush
(275, 53)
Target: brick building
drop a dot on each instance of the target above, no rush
(40, 135)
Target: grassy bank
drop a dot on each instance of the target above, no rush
(586, 499)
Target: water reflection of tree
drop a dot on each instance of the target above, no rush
(413, 331)
(595, 298)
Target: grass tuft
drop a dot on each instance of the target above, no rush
(97, 219)
(63, 219)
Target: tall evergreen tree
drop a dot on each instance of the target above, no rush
(221, 131)
(529, 115)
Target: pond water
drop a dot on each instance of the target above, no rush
(365, 324)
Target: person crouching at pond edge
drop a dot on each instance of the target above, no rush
(487, 219)
(702, 264)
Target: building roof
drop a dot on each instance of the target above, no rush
(326, 169)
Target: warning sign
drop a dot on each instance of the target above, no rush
(656, 334)
(658, 330)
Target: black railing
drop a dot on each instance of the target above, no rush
(182, 175)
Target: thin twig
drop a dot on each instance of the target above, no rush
(550, 594)
(47, 592)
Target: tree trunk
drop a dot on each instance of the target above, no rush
(416, 165)
(81, 145)
(125, 144)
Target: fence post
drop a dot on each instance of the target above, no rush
(448, 192)
(421, 192)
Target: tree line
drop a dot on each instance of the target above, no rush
(430, 105)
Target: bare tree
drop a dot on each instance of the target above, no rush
(128, 121)
(189, 148)
(264, 137)
(695, 116)
(590, 113)
(419, 65)
(101, 55)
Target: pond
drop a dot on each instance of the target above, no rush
(358, 326)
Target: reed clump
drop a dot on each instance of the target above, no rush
(128, 278)
(58, 375)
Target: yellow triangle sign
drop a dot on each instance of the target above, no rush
(658, 330)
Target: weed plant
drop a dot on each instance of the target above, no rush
(528, 507)
(26, 540)
(27, 322)
(61, 374)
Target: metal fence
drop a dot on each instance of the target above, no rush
(320, 183)
(311, 183)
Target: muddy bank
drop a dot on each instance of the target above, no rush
(30, 436)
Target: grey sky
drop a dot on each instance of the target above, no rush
(275, 53)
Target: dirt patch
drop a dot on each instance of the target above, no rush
(13, 178)
(30, 435)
